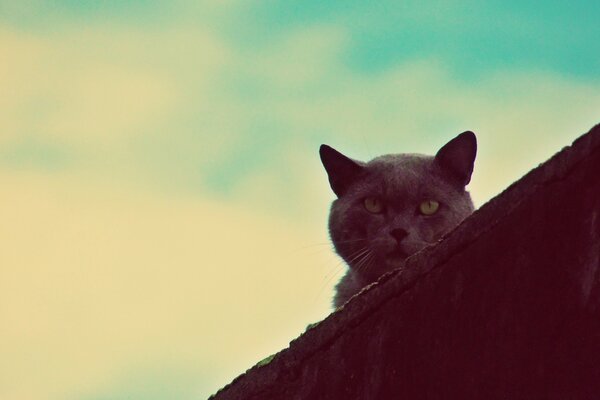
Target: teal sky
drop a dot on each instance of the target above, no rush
(471, 37)
(469, 44)
(161, 159)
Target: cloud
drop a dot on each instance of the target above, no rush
(188, 109)
(97, 93)
(416, 107)
(97, 85)
(107, 279)
(469, 38)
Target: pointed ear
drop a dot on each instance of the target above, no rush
(458, 155)
(342, 171)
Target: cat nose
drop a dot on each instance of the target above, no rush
(398, 234)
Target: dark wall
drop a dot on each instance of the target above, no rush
(508, 306)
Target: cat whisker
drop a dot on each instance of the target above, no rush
(353, 256)
(331, 243)
(352, 240)
(338, 266)
(330, 246)
(315, 245)
(364, 262)
(335, 271)
(357, 255)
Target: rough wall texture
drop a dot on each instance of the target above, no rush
(507, 307)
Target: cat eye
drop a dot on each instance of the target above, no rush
(373, 205)
(429, 207)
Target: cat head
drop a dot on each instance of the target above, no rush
(395, 205)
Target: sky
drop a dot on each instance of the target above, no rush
(163, 208)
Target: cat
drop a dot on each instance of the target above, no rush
(393, 206)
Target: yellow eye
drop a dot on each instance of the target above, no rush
(429, 207)
(373, 205)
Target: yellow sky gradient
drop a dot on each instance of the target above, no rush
(123, 265)
(97, 280)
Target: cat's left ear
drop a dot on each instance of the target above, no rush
(341, 170)
(458, 155)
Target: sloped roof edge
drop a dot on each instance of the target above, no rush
(324, 334)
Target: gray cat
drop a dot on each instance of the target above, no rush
(393, 206)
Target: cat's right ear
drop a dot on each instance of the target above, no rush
(458, 155)
(342, 171)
